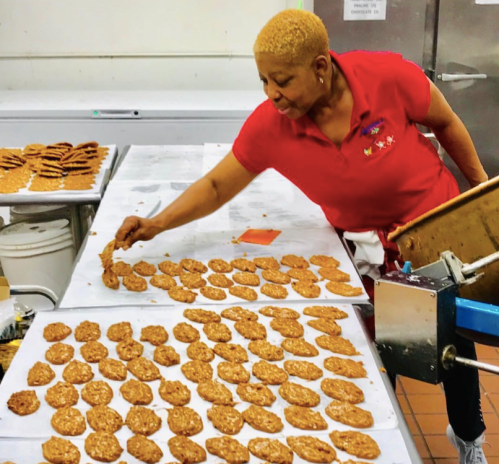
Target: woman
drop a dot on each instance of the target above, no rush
(343, 129)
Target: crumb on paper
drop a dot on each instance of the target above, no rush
(153, 301)
(382, 369)
(88, 283)
(245, 254)
(248, 227)
(140, 202)
(233, 237)
(235, 242)
(141, 246)
(167, 255)
(136, 210)
(93, 233)
(264, 215)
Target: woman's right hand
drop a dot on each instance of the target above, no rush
(135, 228)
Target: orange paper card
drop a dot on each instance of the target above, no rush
(259, 236)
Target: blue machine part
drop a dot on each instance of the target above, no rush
(407, 269)
(480, 317)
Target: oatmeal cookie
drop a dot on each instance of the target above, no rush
(244, 265)
(299, 395)
(144, 269)
(349, 414)
(77, 372)
(333, 274)
(122, 269)
(220, 280)
(102, 418)
(62, 394)
(23, 403)
(154, 334)
(40, 374)
(328, 326)
(200, 351)
(276, 311)
(299, 347)
(236, 313)
(93, 352)
(233, 372)
(87, 332)
(120, 331)
(342, 390)
(183, 420)
(265, 350)
(112, 369)
(68, 422)
(270, 451)
(217, 332)
(182, 295)
(228, 449)
(263, 420)
(144, 369)
(191, 265)
(327, 312)
(219, 265)
(289, 328)
(345, 367)
(166, 356)
(110, 279)
(186, 451)
(163, 281)
(226, 419)
(256, 393)
(135, 283)
(215, 392)
(212, 293)
(201, 315)
(324, 261)
(143, 449)
(129, 349)
(267, 263)
(336, 344)
(340, 288)
(269, 374)
(192, 280)
(174, 392)
(304, 418)
(185, 333)
(197, 371)
(296, 262)
(275, 291)
(231, 352)
(276, 277)
(355, 443)
(56, 331)
(97, 392)
(59, 353)
(302, 274)
(251, 330)
(244, 293)
(303, 369)
(136, 392)
(169, 268)
(246, 278)
(142, 421)
(312, 449)
(59, 450)
(306, 289)
(103, 447)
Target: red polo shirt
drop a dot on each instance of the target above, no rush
(385, 172)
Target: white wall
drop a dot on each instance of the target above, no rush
(132, 44)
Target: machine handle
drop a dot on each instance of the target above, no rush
(34, 290)
(460, 77)
(449, 357)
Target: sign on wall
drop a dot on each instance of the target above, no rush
(364, 10)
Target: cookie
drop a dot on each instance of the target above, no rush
(185, 333)
(302, 274)
(244, 293)
(336, 344)
(59, 450)
(265, 350)
(56, 331)
(112, 369)
(169, 268)
(263, 420)
(40, 374)
(166, 356)
(303, 369)
(77, 372)
(174, 392)
(87, 332)
(122, 269)
(312, 449)
(197, 371)
(342, 390)
(324, 261)
(211, 293)
(120, 331)
(201, 315)
(345, 367)
(220, 280)
(143, 449)
(165, 282)
(233, 372)
(244, 265)
(200, 351)
(182, 295)
(219, 265)
(103, 447)
(144, 269)
(142, 421)
(256, 393)
(192, 280)
(129, 349)
(226, 419)
(93, 352)
(154, 334)
(299, 347)
(289, 328)
(267, 263)
(136, 392)
(144, 369)
(277, 277)
(251, 330)
(135, 283)
(349, 414)
(68, 422)
(23, 403)
(184, 421)
(306, 289)
(102, 418)
(228, 449)
(191, 265)
(270, 374)
(236, 313)
(328, 312)
(333, 274)
(328, 326)
(186, 451)
(62, 394)
(355, 443)
(59, 353)
(97, 392)
(276, 311)
(298, 395)
(340, 288)
(275, 291)
(215, 392)
(231, 352)
(246, 278)
(270, 451)
(304, 418)
(293, 261)
(217, 332)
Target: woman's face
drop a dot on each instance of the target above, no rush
(293, 89)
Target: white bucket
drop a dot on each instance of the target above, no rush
(20, 213)
(37, 253)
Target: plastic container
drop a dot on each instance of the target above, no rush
(37, 253)
(21, 213)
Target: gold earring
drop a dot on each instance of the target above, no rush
(321, 80)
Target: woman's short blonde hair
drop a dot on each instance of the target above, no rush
(295, 35)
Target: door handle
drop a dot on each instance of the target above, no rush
(460, 77)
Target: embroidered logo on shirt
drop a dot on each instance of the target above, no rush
(377, 134)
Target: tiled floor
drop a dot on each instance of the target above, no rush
(424, 409)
